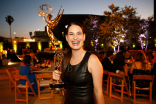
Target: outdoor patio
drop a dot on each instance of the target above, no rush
(7, 97)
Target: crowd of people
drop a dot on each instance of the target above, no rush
(123, 63)
(82, 71)
(12, 55)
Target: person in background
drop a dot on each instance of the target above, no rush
(140, 63)
(107, 62)
(153, 72)
(8, 54)
(127, 56)
(34, 59)
(14, 57)
(153, 59)
(26, 68)
(140, 67)
(120, 65)
(102, 56)
(121, 68)
(82, 71)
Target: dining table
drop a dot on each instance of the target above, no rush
(45, 70)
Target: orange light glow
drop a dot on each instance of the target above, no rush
(14, 41)
(29, 40)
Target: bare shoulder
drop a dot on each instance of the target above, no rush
(94, 63)
(22, 64)
(93, 58)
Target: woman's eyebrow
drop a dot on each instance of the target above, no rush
(76, 32)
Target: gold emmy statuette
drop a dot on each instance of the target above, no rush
(46, 13)
(57, 85)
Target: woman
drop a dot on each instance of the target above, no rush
(153, 72)
(140, 63)
(81, 71)
(34, 59)
(140, 67)
(153, 59)
(26, 69)
(119, 64)
(127, 55)
(121, 68)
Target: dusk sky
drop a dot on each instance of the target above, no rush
(26, 19)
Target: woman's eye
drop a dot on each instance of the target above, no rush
(70, 34)
(79, 33)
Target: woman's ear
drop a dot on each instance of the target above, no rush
(66, 38)
(84, 37)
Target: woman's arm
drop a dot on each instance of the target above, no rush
(149, 66)
(126, 70)
(34, 68)
(96, 69)
(131, 69)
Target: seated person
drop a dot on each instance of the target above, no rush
(34, 59)
(102, 56)
(140, 64)
(26, 69)
(8, 54)
(153, 58)
(153, 72)
(107, 63)
(120, 65)
(127, 55)
(14, 57)
(140, 67)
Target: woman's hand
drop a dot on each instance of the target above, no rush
(121, 73)
(56, 75)
(39, 65)
(31, 72)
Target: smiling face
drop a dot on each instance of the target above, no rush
(75, 37)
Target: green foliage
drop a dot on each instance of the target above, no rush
(9, 19)
(118, 23)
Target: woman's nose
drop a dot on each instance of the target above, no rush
(75, 36)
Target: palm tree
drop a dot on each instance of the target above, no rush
(9, 19)
(30, 33)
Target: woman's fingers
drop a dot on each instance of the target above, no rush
(56, 75)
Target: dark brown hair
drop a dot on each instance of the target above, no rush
(27, 59)
(67, 56)
(140, 57)
(74, 23)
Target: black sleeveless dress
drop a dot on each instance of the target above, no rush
(79, 83)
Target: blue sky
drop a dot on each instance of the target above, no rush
(26, 17)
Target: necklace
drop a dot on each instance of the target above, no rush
(75, 61)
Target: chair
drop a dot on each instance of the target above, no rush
(122, 85)
(136, 87)
(26, 87)
(106, 81)
(43, 81)
(11, 72)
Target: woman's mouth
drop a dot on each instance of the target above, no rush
(75, 43)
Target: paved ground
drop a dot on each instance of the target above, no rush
(7, 97)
